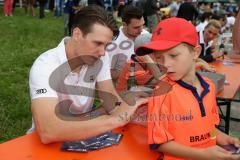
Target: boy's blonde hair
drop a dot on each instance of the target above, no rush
(214, 23)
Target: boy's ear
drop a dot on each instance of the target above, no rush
(197, 51)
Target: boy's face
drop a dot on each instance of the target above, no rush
(179, 61)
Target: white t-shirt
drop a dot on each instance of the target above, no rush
(121, 49)
(71, 83)
(174, 7)
(230, 21)
(201, 26)
(201, 41)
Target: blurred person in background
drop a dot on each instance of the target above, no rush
(121, 49)
(208, 39)
(42, 4)
(29, 7)
(187, 11)
(8, 7)
(174, 7)
(58, 5)
(151, 11)
(222, 18)
(205, 17)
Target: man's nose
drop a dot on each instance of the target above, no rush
(101, 51)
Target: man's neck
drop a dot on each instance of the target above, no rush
(74, 62)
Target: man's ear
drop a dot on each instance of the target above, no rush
(76, 33)
(124, 24)
(197, 51)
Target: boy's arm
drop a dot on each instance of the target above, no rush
(212, 153)
(224, 139)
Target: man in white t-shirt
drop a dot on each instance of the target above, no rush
(206, 16)
(63, 81)
(174, 6)
(121, 49)
(230, 21)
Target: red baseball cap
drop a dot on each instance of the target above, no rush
(168, 34)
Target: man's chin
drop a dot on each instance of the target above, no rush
(90, 60)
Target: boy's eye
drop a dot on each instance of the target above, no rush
(173, 55)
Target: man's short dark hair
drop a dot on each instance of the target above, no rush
(131, 12)
(90, 15)
(206, 15)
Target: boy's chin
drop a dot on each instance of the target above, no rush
(173, 77)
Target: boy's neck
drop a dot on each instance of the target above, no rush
(191, 78)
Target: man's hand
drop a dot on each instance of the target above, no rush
(216, 54)
(133, 96)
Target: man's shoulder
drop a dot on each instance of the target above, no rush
(46, 62)
(121, 36)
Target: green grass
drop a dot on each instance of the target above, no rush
(22, 39)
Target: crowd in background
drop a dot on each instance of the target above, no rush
(198, 12)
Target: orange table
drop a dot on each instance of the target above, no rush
(133, 146)
(231, 70)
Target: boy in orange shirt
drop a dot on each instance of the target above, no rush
(182, 123)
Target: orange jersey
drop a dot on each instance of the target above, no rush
(183, 116)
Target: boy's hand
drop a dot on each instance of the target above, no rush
(224, 139)
(218, 153)
(234, 141)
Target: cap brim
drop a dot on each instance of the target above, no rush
(155, 45)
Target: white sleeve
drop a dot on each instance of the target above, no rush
(39, 81)
(104, 73)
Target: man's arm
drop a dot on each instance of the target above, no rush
(52, 128)
(115, 74)
(207, 58)
(127, 105)
(200, 63)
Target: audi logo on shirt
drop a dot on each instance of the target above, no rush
(41, 91)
